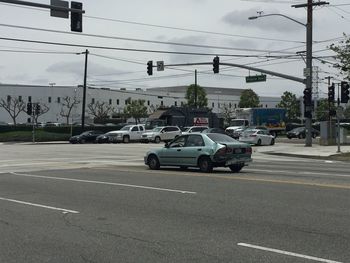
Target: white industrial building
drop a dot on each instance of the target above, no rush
(52, 97)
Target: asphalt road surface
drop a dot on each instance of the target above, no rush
(99, 203)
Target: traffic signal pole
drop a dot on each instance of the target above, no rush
(84, 91)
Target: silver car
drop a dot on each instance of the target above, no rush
(158, 134)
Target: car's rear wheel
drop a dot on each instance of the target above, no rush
(126, 139)
(153, 162)
(236, 167)
(205, 164)
(272, 141)
(157, 139)
(259, 142)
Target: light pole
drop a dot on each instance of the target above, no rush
(308, 83)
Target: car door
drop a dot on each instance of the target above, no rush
(193, 149)
(134, 132)
(172, 154)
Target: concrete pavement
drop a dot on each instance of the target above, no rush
(299, 150)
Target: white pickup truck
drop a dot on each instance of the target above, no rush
(128, 133)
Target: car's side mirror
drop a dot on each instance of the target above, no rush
(166, 145)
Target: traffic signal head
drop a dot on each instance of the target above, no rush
(150, 67)
(344, 93)
(216, 63)
(29, 108)
(37, 109)
(331, 93)
(307, 97)
(76, 19)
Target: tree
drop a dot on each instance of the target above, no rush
(67, 106)
(135, 109)
(343, 56)
(43, 109)
(249, 99)
(100, 110)
(290, 102)
(191, 92)
(227, 113)
(14, 106)
(322, 111)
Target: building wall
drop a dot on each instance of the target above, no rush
(52, 97)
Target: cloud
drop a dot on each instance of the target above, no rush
(77, 68)
(273, 23)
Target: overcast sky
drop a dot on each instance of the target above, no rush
(209, 27)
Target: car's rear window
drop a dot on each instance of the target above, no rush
(217, 137)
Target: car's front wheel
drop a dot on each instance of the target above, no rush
(157, 139)
(126, 139)
(272, 141)
(205, 164)
(236, 167)
(259, 142)
(153, 162)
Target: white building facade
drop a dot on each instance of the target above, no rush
(52, 97)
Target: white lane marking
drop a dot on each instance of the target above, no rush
(38, 205)
(288, 253)
(105, 183)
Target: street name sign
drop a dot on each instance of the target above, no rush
(256, 78)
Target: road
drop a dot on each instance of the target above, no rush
(99, 203)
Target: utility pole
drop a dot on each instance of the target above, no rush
(338, 121)
(308, 122)
(195, 90)
(329, 109)
(84, 91)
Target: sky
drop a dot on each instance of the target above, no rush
(161, 30)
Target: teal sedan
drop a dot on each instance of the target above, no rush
(205, 151)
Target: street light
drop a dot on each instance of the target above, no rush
(308, 83)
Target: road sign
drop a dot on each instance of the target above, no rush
(307, 72)
(160, 65)
(256, 78)
(59, 13)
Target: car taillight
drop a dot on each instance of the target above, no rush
(248, 150)
(221, 151)
(253, 135)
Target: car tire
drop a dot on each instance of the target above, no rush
(300, 136)
(235, 168)
(205, 164)
(126, 139)
(153, 162)
(157, 139)
(272, 141)
(258, 142)
(82, 141)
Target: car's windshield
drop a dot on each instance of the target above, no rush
(86, 133)
(158, 129)
(218, 137)
(126, 128)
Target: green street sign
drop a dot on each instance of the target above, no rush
(255, 78)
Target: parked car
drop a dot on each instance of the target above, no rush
(215, 130)
(88, 136)
(128, 133)
(191, 129)
(158, 134)
(236, 133)
(257, 137)
(203, 150)
(300, 133)
(106, 137)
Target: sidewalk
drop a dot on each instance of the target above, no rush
(316, 151)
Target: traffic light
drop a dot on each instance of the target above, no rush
(29, 108)
(307, 97)
(37, 109)
(150, 67)
(76, 19)
(216, 62)
(344, 92)
(331, 93)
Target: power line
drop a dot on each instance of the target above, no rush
(38, 52)
(136, 39)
